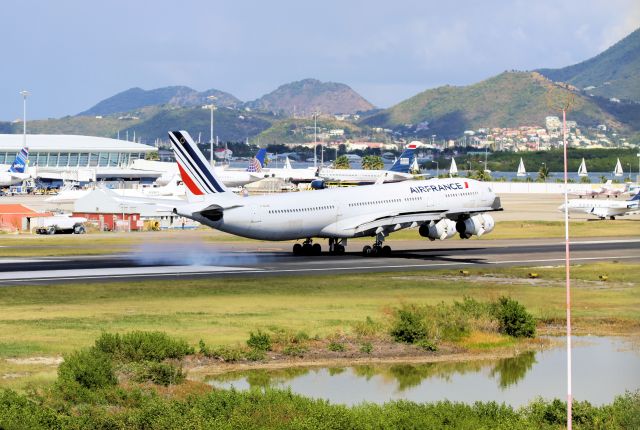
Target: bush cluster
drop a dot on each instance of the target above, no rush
(89, 368)
(514, 319)
(260, 341)
(280, 409)
(430, 324)
(142, 346)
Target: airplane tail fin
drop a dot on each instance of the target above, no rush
(636, 197)
(195, 171)
(257, 163)
(403, 163)
(20, 163)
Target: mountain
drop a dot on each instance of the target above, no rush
(180, 96)
(612, 73)
(304, 97)
(511, 99)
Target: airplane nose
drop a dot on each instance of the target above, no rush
(561, 208)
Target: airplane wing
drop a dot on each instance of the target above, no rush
(391, 222)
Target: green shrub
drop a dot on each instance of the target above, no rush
(366, 328)
(89, 368)
(255, 355)
(226, 353)
(142, 346)
(427, 345)
(336, 346)
(300, 337)
(448, 322)
(409, 325)
(295, 350)
(514, 319)
(159, 373)
(260, 341)
(366, 347)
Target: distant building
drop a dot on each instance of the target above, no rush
(68, 151)
(552, 123)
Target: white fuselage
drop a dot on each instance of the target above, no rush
(359, 176)
(9, 178)
(601, 208)
(293, 175)
(341, 212)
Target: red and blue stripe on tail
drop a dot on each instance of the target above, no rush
(195, 171)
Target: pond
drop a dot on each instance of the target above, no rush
(603, 367)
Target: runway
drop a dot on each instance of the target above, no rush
(190, 261)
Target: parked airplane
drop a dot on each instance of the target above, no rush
(398, 172)
(603, 208)
(439, 207)
(606, 189)
(17, 172)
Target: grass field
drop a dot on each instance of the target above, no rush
(52, 320)
(105, 243)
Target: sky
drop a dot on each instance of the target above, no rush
(70, 54)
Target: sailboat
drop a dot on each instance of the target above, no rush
(486, 169)
(582, 170)
(453, 170)
(521, 169)
(618, 170)
(287, 163)
(415, 167)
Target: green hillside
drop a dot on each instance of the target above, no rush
(229, 124)
(614, 72)
(299, 130)
(304, 97)
(176, 96)
(510, 99)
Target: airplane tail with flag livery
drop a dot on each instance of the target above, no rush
(403, 163)
(196, 173)
(19, 165)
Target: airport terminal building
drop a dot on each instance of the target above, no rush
(60, 151)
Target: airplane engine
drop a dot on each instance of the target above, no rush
(318, 184)
(443, 229)
(476, 225)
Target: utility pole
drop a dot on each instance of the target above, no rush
(564, 102)
(212, 106)
(24, 94)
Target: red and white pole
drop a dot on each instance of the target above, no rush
(567, 271)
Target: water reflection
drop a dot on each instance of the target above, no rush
(517, 380)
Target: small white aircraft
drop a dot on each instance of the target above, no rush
(398, 172)
(439, 207)
(602, 208)
(17, 172)
(606, 189)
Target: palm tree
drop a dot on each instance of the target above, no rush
(543, 173)
(342, 162)
(372, 162)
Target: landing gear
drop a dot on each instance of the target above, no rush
(377, 250)
(337, 246)
(612, 218)
(307, 248)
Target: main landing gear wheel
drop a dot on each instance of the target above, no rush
(376, 251)
(338, 249)
(307, 248)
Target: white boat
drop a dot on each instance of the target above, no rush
(618, 170)
(453, 170)
(521, 169)
(582, 170)
(415, 167)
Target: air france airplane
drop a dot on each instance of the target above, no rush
(439, 207)
(17, 173)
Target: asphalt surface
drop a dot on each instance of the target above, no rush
(188, 261)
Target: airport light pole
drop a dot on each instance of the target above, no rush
(24, 94)
(315, 139)
(564, 102)
(212, 106)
